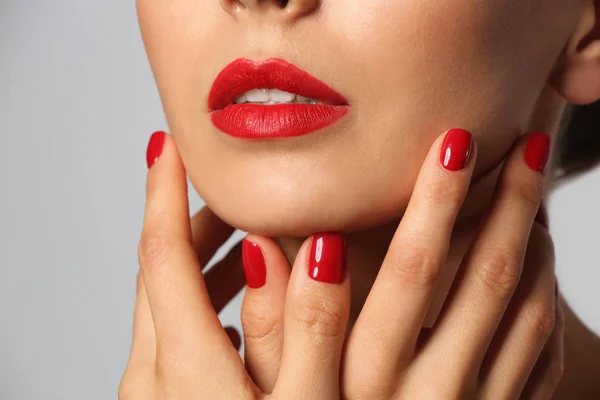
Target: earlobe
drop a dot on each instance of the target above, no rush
(577, 78)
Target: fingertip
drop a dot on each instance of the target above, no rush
(537, 151)
(162, 152)
(155, 147)
(254, 263)
(456, 149)
(166, 188)
(265, 263)
(327, 258)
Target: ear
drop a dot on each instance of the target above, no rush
(577, 78)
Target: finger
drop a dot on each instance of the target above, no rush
(225, 279)
(316, 315)
(143, 346)
(526, 326)
(209, 233)
(185, 323)
(385, 334)
(263, 309)
(492, 268)
(549, 369)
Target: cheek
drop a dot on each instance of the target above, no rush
(185, 41)
(467, 63)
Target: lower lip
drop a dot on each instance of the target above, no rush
(257, 121)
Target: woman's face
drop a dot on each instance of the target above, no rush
(410, 69)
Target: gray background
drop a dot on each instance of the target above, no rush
(77, 105)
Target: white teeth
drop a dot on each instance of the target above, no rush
(280, 96)
(241, 99)
(302, 99)
(273, 96)
(257, 95)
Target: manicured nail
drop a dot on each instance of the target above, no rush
(537, 151)
(456, 149)
(542, 215)
(155, 146)
(254, 264)
(327, 258)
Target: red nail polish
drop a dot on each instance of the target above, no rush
(537, 151)
(255, 267)
(327, 258)
(542, 215)
(456, 149)
(155, 146)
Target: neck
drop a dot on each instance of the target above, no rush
(367, 248)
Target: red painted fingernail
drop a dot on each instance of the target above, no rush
(542, 215)
(327, 258)
(254, 264)
(537, 151)
(456, 149)
(155, 146)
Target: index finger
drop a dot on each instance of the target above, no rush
(397, 304)
(179, 302)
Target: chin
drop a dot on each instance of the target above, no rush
(303, 212)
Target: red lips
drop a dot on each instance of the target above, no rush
(258, 121)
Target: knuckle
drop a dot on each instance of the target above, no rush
(499, 271)
(319, 319)
(542, 320)
(415, 266)
(154, 249)
(258, 323)
(444, 189)
(530, 191)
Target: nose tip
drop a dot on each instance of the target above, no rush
(284, 9)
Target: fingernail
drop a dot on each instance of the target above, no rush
(537, 151)
(155, 146)
(254, 264)
(456, 149)
(327, 258)
(542, 215)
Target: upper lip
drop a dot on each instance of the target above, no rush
(244, 74)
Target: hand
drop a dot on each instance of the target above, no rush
(178, 338)
(499, 335)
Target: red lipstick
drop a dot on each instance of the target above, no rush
(259, 121)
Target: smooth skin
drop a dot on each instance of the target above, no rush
(499, 334)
